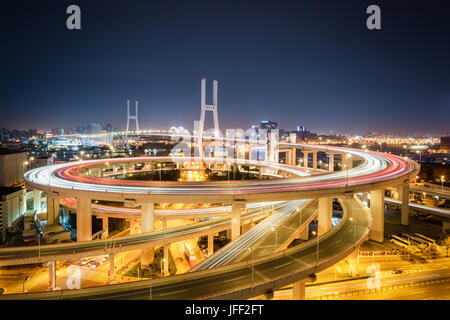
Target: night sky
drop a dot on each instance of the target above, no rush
(308, 62)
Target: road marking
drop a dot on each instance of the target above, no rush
(282, 265)
(173, 292)
(234, 279)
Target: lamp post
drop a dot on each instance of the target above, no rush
(442, 182)
(253, 266)
(420, 156)
(276, 236)
(23, 285)
(159, 166)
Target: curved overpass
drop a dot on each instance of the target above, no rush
(378, 170)
(65, 251)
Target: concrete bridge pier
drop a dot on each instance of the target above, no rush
(210, 244)
(105, 226)
(325, 215)
(377, 209)
(147, 225)
(314, 160)
(331, 162)
(84, 219)
(403, 194)
(236, 220)
(52, 210)
(299, 290)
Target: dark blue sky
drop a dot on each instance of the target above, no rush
(308, 62)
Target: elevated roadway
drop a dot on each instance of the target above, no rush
(241, 280)
(378, 170)
(262, 239)
(65, 251)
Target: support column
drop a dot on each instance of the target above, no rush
(229, 234)
(305, 159)
(353, 263)
(112, 272)
(325, 215)
(404, 193)
(377, 209)
(52, 274)
(331, 162)
(236, 220)
(84, 220)
(315, 160)
(52, 210)
(210, 245)
(37, 200)
(166, 260)
(105, 226)
(293, 157)
(147, 225)
(299, 290)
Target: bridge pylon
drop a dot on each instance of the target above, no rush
(130, 117)
(207, 107)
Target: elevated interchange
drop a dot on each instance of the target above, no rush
(377, 171)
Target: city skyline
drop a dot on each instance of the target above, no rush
(273, 62)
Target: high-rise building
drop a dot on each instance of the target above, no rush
(445, 143)
(13, 164)
(301, 128)
(268, 125)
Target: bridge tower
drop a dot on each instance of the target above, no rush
(130, 117)
(205, 107)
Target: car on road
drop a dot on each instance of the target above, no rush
(397, 271)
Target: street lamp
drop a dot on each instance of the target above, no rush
(23, 285)
(420, 156)
(442, 182)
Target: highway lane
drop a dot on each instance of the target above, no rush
(441, 212)
(71, 203)
(260, 240)
(242, 279)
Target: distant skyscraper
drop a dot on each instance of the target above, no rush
(268, 125)
(301, 128)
